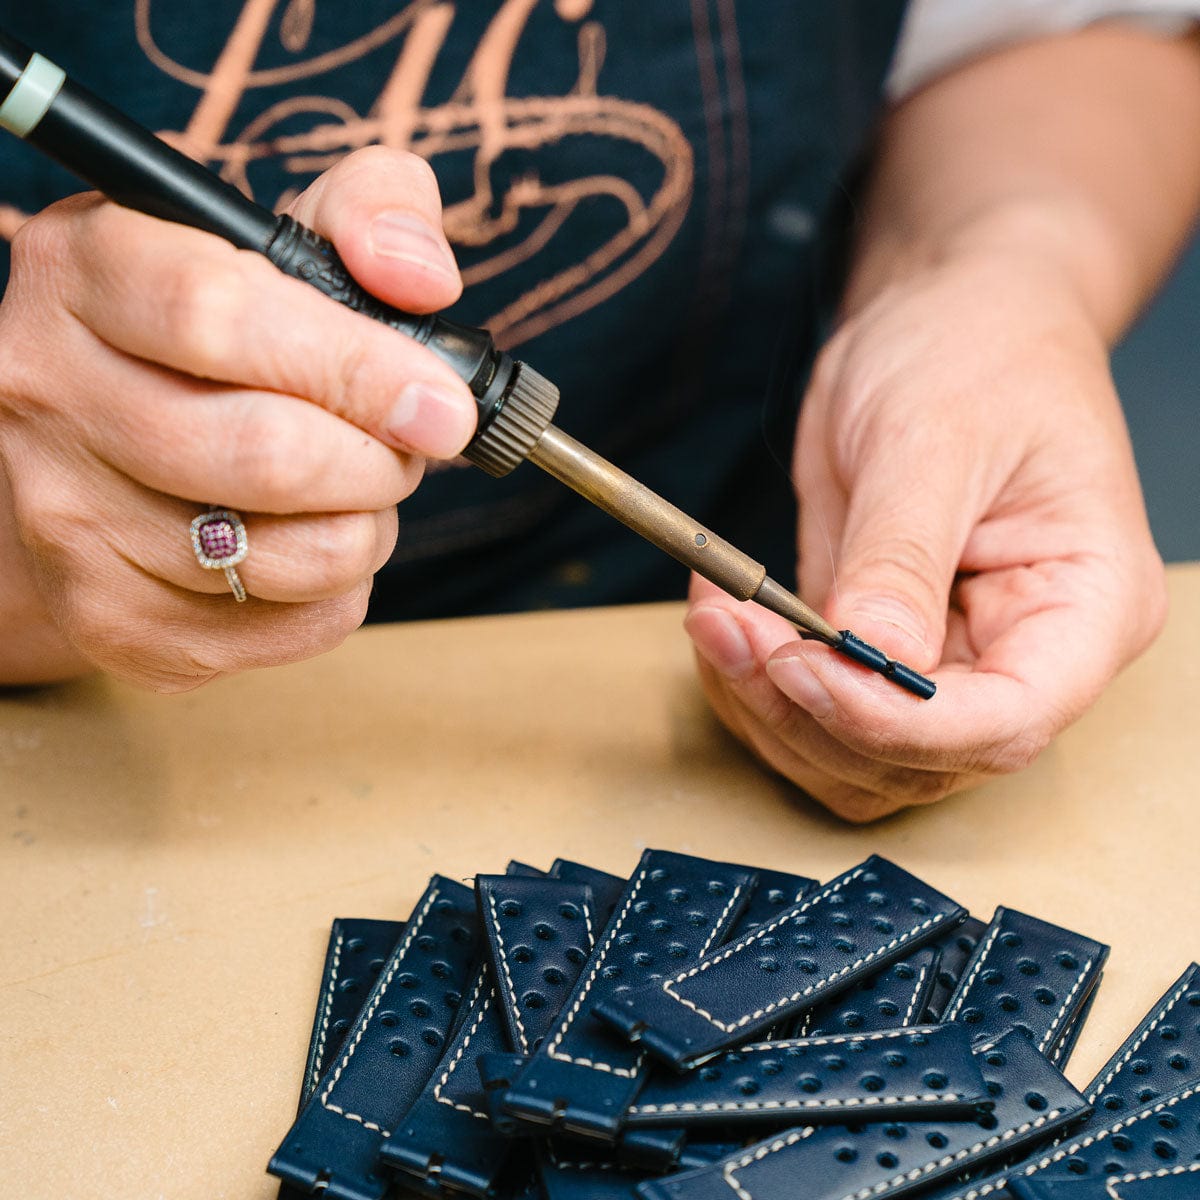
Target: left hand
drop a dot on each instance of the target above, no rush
(969, 504)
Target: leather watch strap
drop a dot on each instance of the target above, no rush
(772, 893)
(862, 921)
(358, 948)
(582, 1079)
(956, 947)
(1177, 1183)
(1032, 1102)
(904, 1074)
(890, 999)
(389, 1053)
(1026, 974)
(1161, 1053)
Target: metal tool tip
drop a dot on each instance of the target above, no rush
(863, 652)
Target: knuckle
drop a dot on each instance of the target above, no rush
(274, 458)
(342, 551)
(199, 302)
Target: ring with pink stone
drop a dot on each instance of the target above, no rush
(219, 543)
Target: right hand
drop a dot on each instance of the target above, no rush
(148, 370)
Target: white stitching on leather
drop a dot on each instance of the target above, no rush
(1049, 1160)
(1162, 1173)
(790, 1139)
(879, 1189)
(508, 979)
(746, 1018)
(1087, 966)
(560, 1034)
(318, 1061)
(464, 1043)
(1137, 1045)
(398, 957)
(719, 924)
(783, 1045)
(961, 993)
(917, 990)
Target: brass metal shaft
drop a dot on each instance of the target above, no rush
(671, 529)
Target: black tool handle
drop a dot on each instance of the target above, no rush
(131, 166)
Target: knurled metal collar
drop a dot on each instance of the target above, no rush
(527, 410)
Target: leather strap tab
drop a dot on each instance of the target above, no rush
(673, 910)
(1029, 975)
(956, 947)
(850, 928)
(390, 1052)
(925, 1073)
(1170, 1183)
(1032, 1103)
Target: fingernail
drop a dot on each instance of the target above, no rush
(797, 680)
(720, 639)
(407, 237)
(429, 419)
(887, 610)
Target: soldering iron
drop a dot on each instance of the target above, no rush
(516, 405)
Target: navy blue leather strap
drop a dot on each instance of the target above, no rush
(358, 948)
(1157, 1137)
(582, 1079)
(1180, 1183)
(956, 947)
(445, 1144)
(389, 1053)
(848, 929)
(890, 999)
(1032, 1102)
(904, 1074)
(772, 893)
(1029, 975)
(1161, 1053)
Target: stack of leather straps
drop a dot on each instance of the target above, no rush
(710, 1030)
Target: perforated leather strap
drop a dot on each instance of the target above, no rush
(1158, 1137)
(390, 1051)
(862, 921)
(674, 909)
(1026, 974)
(956, 947)
(772, 893)
(1161, 1053)
(890, 999)
(1032, 1100)
(1179, 1183)
(924, 1073)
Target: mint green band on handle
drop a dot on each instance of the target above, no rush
(31, 96)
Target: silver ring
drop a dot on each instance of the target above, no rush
(219, 543)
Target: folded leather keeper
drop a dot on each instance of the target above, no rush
(1032, 1102)
(924, 1073)
(850, 928)
(582, 1079)
(956, 947)
(1029, 975)
(389, 1053)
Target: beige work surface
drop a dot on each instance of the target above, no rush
(169, 866)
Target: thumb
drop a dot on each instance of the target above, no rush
(901, 546)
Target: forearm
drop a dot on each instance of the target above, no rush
(1076, 155)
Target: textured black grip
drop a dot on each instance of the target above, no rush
(297, 251)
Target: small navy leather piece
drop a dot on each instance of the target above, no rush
(539, 933)
(924, 1073)
(1029, 975)
(582, 1078)
(606, 889)
(956, 947)
(1061, 1054)
(445, 1144)
(890, 999)
(1032, 1102)
(1161, 1053)
(389, 1053)
(867, 918)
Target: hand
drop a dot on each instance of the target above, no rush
(148, 370)
(969, 504)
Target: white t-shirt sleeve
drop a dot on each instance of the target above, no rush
(939, 34)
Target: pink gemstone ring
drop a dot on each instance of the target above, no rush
(219, 543)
